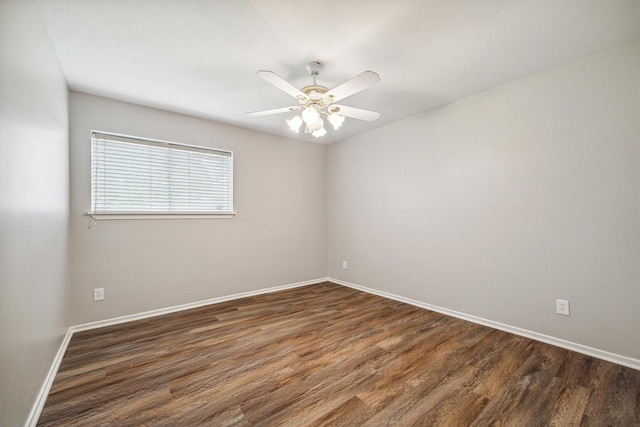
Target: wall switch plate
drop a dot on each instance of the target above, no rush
(98, 294)
(344, 265)
(562, 307)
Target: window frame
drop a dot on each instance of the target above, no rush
(150, 214)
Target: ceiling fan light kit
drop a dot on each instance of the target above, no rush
(316, 101)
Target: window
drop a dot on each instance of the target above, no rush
(137, 176)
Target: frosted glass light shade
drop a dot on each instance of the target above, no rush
(318, 124)
(320, 132)
(336, 120)
(310, 115)
(294, 123)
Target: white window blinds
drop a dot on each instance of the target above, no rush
(134, 175)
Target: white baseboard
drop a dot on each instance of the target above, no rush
(41, 399)
(181, 307)
(589, 351)
(36, 410)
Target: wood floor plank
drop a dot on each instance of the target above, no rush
(515, 401)
(328, 355)
(351, 412)
(424, 398)
(614, 401)
(563, 403)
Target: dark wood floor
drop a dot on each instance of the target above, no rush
(330, 355)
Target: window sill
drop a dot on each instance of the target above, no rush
(160, 215)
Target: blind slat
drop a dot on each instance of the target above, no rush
(135, 175)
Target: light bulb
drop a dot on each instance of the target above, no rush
(294, 123)
(314, 126)
(310, 115)
(336, 120)
(320, 132)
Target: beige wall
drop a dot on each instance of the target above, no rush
(496, 205)
(33, 207)
(278, 236)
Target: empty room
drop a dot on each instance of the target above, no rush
(328, 213)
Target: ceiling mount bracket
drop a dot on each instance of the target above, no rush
(314, 69)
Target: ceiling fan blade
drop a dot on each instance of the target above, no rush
(274, 111)
(355, 113)
(282, 84)
(357, 84)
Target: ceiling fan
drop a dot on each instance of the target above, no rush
(316, 100)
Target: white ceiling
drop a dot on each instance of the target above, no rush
(200, 57)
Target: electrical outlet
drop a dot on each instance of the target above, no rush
(98, 294)
(344, 265)
(562, 307)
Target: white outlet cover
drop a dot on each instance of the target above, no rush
(562, 307)
(98, 294)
